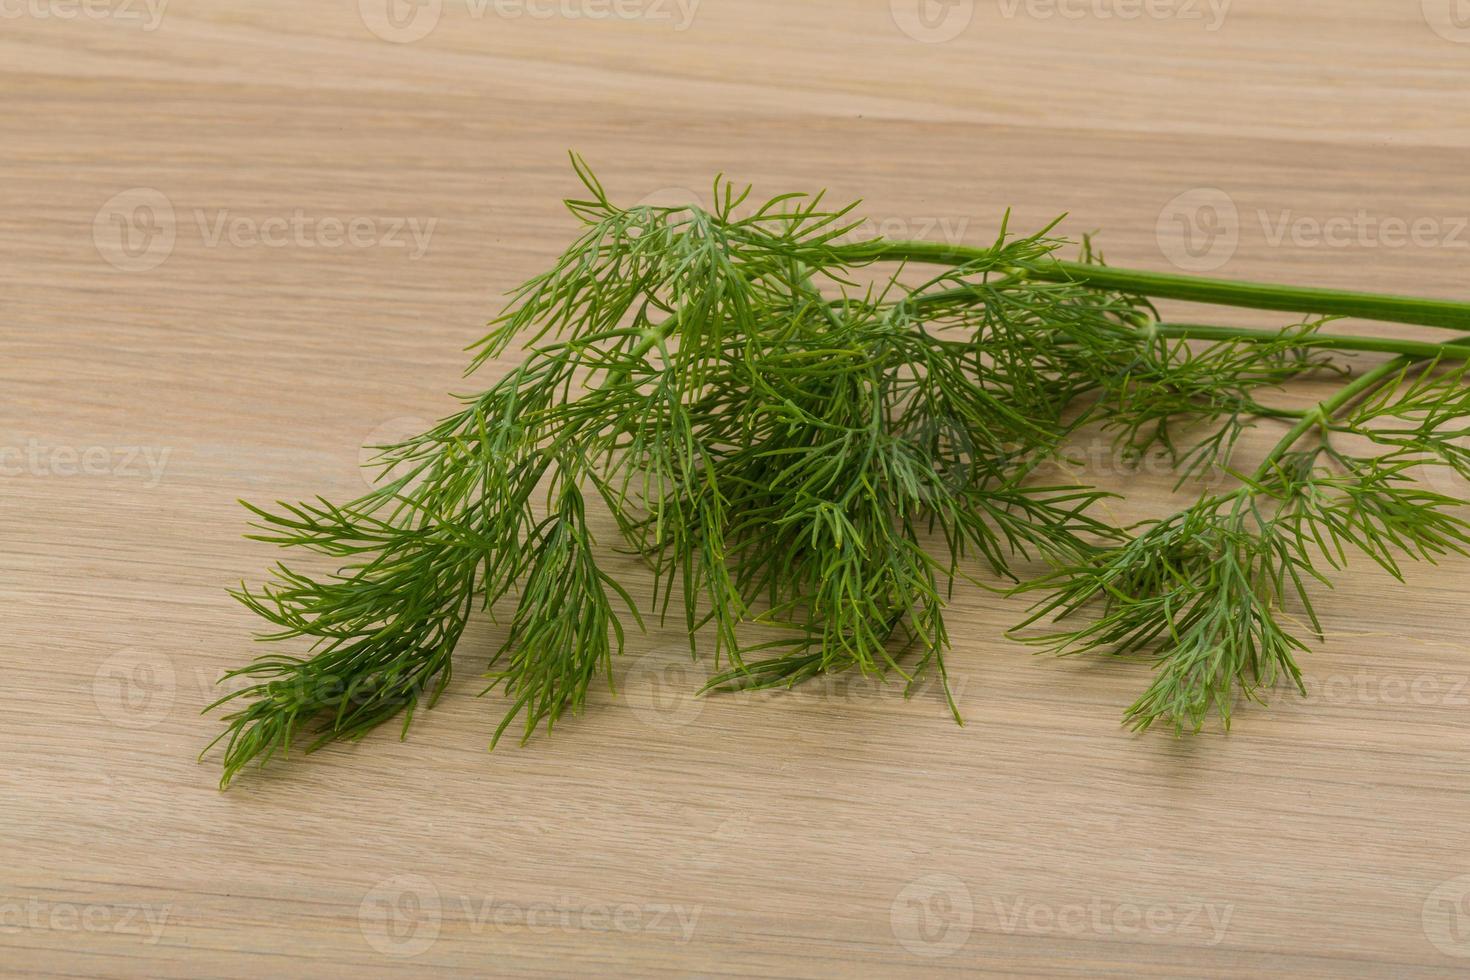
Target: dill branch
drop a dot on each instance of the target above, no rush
(786, 436)
(1202, 592)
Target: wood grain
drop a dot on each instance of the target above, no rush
(834, 831)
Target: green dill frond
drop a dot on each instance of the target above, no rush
(1211, 392)
(775, 453)
(1201, 595)
(565, 630)
(787, 435)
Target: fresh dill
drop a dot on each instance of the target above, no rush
(786, 439)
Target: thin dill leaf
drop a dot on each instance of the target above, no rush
(564, 631)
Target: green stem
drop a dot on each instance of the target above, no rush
(1426, 350)
(1324, 411)
(1195, 289)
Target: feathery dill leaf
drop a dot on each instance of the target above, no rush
(1204, 592)
(786, 436)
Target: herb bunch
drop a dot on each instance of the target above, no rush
(785, 439)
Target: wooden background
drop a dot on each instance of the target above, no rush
(160, 359)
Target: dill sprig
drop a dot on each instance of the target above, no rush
(1204, 592)
(787, 436)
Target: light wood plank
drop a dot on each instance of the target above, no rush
(803, 835)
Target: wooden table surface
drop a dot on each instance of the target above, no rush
(239, 241)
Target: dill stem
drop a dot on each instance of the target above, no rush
(1413, 348)
(1424, 349)
(1197, 289)
(1329, 407)
(1323, 411)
